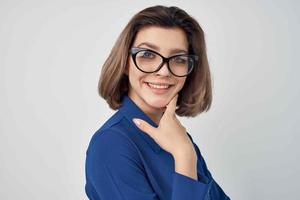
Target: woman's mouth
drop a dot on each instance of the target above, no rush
(159, 88)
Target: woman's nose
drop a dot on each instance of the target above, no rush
(164, 70)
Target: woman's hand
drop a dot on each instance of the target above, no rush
(169, 134)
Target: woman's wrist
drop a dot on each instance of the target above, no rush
(187, 152)
(186, 164)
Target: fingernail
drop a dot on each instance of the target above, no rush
(136, 121)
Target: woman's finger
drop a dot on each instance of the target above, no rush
(171, 107)
(145, 127)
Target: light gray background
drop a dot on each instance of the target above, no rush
(51, 53)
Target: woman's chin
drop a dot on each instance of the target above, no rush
(159, 104)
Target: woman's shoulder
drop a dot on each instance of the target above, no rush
(112, 139)
(109, 143)
(106, 132)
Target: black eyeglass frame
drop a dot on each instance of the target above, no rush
(135, 50)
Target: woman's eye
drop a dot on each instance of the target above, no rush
(147, 54)
(180, 59)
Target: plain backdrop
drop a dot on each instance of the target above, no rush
(51, 54)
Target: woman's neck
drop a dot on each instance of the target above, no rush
(154, 114)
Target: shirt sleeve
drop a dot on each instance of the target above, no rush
(114, 171)
(185, 187)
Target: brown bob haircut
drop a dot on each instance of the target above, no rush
(196, 94)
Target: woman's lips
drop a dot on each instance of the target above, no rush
(159, 88)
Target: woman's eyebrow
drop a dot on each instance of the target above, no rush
(153, 46)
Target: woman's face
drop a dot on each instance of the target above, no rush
(167, 42)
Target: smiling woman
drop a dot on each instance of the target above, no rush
(157, 69)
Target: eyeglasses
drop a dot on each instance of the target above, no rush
(149, 61)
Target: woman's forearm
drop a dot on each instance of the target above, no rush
(186, 164)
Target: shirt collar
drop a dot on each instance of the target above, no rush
(130, 110)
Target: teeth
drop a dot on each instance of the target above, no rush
(158, 86)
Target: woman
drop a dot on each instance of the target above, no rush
(158, 68)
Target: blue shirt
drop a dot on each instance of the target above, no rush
(123, 162)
